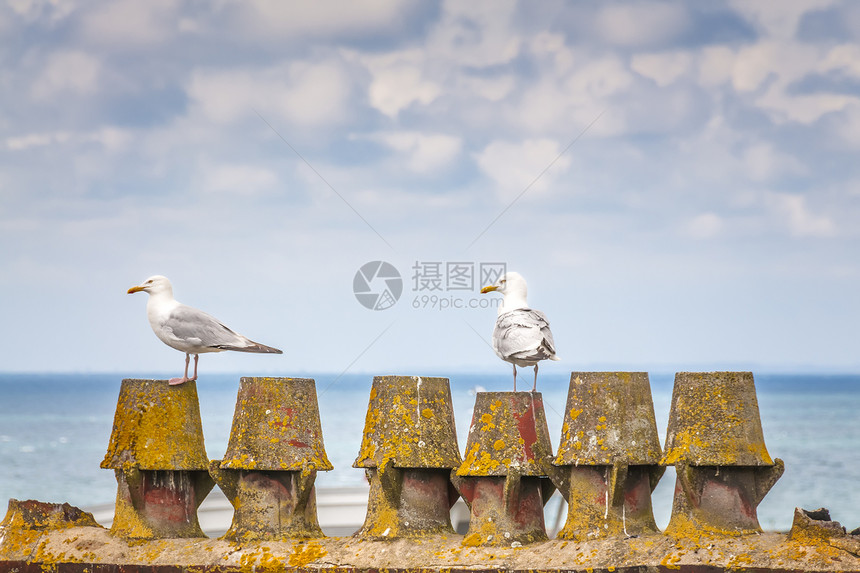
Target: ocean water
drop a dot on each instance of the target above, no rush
(54, 430)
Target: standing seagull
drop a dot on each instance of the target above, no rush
(187, 329)
(522, 336)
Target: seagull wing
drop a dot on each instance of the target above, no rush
(194, 328)
(523, 334)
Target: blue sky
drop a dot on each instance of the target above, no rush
(678, 182)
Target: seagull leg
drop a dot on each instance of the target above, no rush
(515, 377)
(177, 381)
(197, 356)
(535, 385)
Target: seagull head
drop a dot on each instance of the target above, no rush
(508, 283)
(153, 285)
(513, 286)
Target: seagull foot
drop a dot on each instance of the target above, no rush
(178, 381)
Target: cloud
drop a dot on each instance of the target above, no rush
(494, 89)
(844, 59)
(846, 126)
(794, 212)
(778, 19)
(663, 68)
(67, 73)
(238, 179)
(124, 23)
(304, 93)
(515, 166)
(21, 142)
(111, 139)
(763, 162)
(279, 20)
(642, 23)
(769, 69)
(398, 81)
(475, 34)
(50, 11)
(575, 98)
(424, 152)
(704, 226)
(715, 64)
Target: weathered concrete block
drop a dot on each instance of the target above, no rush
(274, 452)
(609, 453)
(716, 443)
(504, 477)
(408, 450)
(156, 451)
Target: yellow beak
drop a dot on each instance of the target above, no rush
(135, 289)
(487, 289)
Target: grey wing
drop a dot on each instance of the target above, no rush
(196, 327)
(523, 334)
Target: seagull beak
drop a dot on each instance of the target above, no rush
(135, 289)
(487, 289)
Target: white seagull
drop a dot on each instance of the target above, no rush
(522, 336)
(187, 329)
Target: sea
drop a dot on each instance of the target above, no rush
(54, 431)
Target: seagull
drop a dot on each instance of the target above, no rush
(521, 336)
(187, 329)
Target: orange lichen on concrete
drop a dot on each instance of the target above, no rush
(714, 421)
(764, 552)
(511, 431)
(303, 554)
(156, 427)
(410, 423)
(608, 416)
(26, 522)
(276, 426)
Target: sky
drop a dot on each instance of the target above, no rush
(677, 182)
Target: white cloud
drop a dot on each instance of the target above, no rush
(763, 162)
(494, 89)
(238, 179)
(575, 99)
(424, 152)
(112, 139)
(131, 23)
(774, 66)
(805, 108)
(778, 19)
(398, 81)
(704, 226)
(844, 58)
(553, 46)
(68, 72)
(22, 142)
(42, 10)
(304, 93)
(715, 65)
(663, 68)
(847, 125)
(515, 166)
(642, 23)
(475, 34)
(801, 222)
(599, 78)
(278, 19)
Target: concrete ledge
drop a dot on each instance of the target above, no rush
(94, 550)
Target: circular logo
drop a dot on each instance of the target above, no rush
(377, 285)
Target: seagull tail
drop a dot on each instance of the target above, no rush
(554, 357)
(253, 347)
